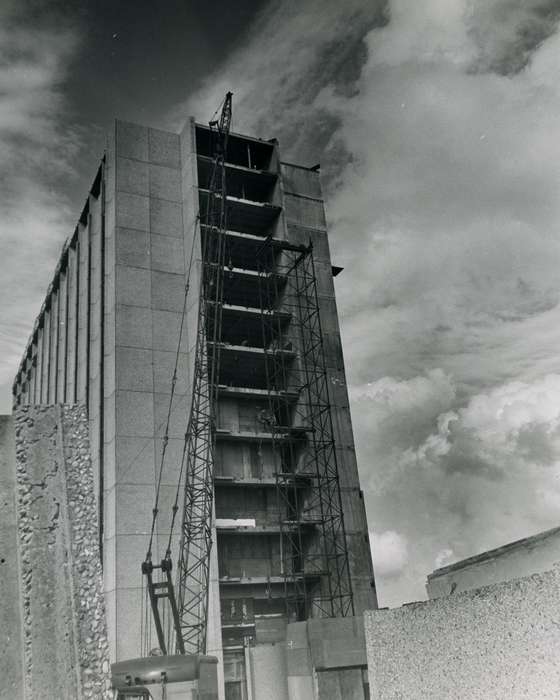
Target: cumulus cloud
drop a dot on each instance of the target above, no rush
(36, 152)
(386, 405)
(487, 473)
(390, 553)
(507, 32)
(449, 197)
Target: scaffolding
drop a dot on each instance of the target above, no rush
(314, 551)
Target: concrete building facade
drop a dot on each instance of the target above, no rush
(107, 336)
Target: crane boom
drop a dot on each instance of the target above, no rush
(196, 526)
(188, 598)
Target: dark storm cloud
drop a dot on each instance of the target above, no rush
(508, 32)
(295, 50)
(66, 71)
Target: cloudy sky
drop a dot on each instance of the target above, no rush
(437, 124)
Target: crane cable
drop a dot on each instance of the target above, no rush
(155, 510)
(175, 506)
(145, 628)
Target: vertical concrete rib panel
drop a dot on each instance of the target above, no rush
(94, 339)
(31, 382)
(72, 329)
(45, 342)
(134, 406)
(34, 383)
(39, 363)
(28, 371)
(83, 313)
(62, 335)
(109, 399)
(53, 346)
(29, 363)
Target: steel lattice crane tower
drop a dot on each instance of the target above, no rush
(189, 603)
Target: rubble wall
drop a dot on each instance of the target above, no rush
(500, 642)
(65, 649)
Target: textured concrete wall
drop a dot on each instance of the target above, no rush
(500, 642)
(65, 645)
(531, 555)
(11, 687)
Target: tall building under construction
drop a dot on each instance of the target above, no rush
(160, 311)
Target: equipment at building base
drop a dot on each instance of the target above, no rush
(134, 677)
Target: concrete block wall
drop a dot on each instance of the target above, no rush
(500, 642)
(65, 647)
